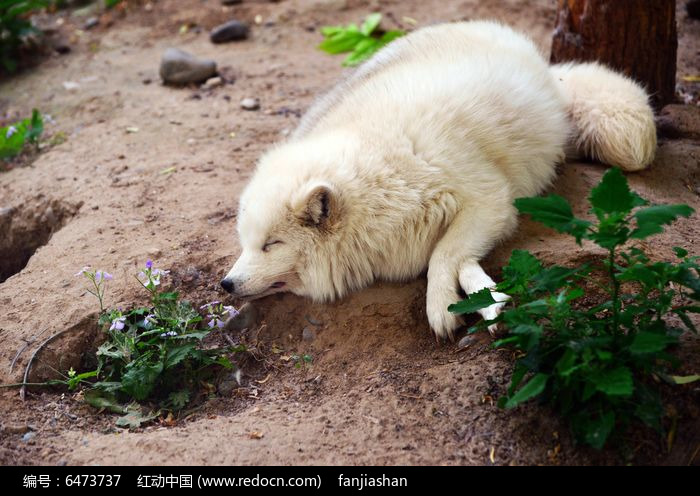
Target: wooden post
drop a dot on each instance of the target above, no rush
(635, 37)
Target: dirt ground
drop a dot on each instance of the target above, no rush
(379, 389)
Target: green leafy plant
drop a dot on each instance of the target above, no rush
(152, 353)
(594, 340)
(14, 137)
(362, 41)
(15, 28)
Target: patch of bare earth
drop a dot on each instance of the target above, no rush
(379, 390)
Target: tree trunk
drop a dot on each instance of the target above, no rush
(635, 37)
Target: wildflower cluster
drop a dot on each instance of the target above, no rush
(152, 353)
(218, 313)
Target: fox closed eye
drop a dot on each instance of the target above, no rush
(268, 244)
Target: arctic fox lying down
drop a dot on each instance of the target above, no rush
(415, 160)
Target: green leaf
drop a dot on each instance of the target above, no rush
(522, 267)
(390, 36)
(650, 219)
(177, 354)
(135, 417)
(341, 42)
(650, 342)
(614, 382)
(370, 24)
(103, 400)
(35, 128)
(680, 252)
(686, 320)
(140, 379)
(613, 195)
(74, 381)
(179, 399)
(685, 379)
(595, 432)
(473, 302)
(555, 212)
(533, 387)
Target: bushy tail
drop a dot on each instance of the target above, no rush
(613, 121)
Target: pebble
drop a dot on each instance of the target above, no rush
(91, 23)
(29, 437)
(250, 104)
(229, 31)
(214, 82)
(465, 341)
(307, 334)
(180, 67)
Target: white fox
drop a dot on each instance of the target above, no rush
(415, 160)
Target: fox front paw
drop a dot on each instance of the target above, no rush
(442, 322)
(493, 311)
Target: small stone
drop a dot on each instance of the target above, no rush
(250, 104)
(91, 22)
(212, 83)
(29, 437)
(179, 67)
(230, 31)
(307, 334)
(465, 341)
(230, 2)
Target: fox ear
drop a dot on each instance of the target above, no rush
(318, 206)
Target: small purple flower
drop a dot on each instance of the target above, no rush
(98, 275)
(232, 312)
(149, 264)
(150, 319)
(117, 324)
(107, 276)
(168, 334)
(83, 270)
(216, 322)
(10, 131)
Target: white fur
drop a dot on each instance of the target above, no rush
(415, 161)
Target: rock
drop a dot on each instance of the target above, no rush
(91, 23)
(179, 67)
(230, 31)
(230, 2)
(212, 83)
(308, 334)
(250, 104)
(29, 437)
(465, 341)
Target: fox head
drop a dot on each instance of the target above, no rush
(289, 220)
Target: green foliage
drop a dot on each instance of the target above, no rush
(15, 136)
(15, 28)
(152, 354)
(361, 41)
(594, 339)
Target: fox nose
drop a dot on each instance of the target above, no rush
(227, 284)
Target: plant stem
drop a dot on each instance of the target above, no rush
(616, 291)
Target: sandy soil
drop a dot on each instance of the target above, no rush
(379, 389)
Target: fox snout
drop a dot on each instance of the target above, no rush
(228, 285)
